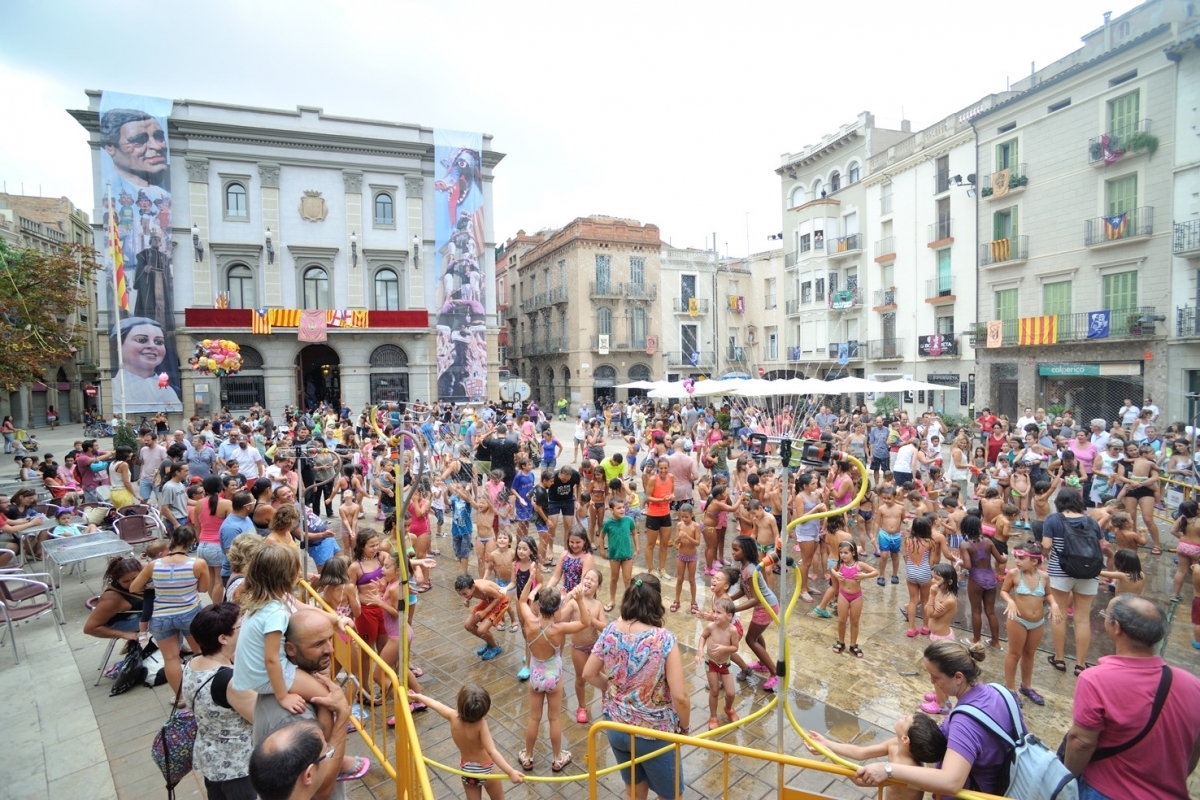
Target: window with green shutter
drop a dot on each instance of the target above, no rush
(1123, 115)
(1006, 155)
(1004, 224)
(1006, 304)
(1120, 194)
(1056, 301)
(945, 283)
(1120, 291)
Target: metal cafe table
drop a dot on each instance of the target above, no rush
(78, 549)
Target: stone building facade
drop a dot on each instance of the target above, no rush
(301, 209)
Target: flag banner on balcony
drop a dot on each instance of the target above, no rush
(360, 319)
(337, 319)
(694, 358)
(285, 317)
(1037, 330)
(651, 345)
(1001, 249)
(312, 327)
(794, 352)
(1114, 226)
(260, 321)
(843, 352)
(842, 298)
(995, 333)
(840, 245)
(1099, 324)
(693, 307)
(741, 304)
(1000, 183)
(733, 305)
(1109, 149)
(602, 344)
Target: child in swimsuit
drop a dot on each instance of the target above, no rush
(985, 566)
(687, 541)
(525, 571)
(500, 568)
(576, 561)
(719, 585)
(469, 730)
(850, 572)
(917, 546)
(918, 741)
(718, 643)
(582, 641)
(836, 527)
(1187, 530)
(939, 612)
(546, 639)
(1025, 592)
(1127, 576)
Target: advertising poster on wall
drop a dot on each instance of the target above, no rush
(461, 302)
(135, 176)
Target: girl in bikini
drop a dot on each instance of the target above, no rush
(1187, 530)
(837, 529)
(524, 572)
(916, 548)
(1025, 592)
(850, 572)
(546, 638)
(582, 641)
(939, 611)
(715, 518)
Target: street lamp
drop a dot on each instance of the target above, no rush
(416, 243)
(353, 249)
(270, 248)
(196, 242)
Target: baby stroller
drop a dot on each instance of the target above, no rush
(26, 442)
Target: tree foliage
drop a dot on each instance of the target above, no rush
(39, 294)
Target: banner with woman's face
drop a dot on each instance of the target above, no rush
(135, 172)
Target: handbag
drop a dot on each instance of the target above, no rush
(132, 672)
(1160, 699)
(173, 744)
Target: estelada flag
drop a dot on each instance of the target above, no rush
(260, 321)
(1037, 330)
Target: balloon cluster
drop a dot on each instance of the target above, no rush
(218, 357)
(689, 385)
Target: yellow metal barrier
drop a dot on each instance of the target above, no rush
(1187, 489)
(357, 658)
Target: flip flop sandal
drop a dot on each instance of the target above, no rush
(674, 606)
(525, 761)
(838, 647)
(1079, 668)
(361, 766)
(1156, 551)
(1032, 694)
(695, 608)
(511, 629)
(1057, 663)
(608, 608)
(417, 672)
(856, 650)
(564, 758)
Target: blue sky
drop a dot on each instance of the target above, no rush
(674, 113)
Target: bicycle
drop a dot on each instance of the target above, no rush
(97, 428)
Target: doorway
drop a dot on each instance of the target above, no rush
(318, 376)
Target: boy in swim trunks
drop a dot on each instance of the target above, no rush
(891, 520)
(489, 612)
(718, 644)
(469, 730)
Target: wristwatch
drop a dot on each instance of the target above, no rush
(887, 767)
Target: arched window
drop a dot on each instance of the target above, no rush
(239, 284)
(316, 288)
(384, 209)
(798, 197)
(835, 181)
(639, 372)
(236, 206)
(387, 290)
(249, 386)
(389, 374)
(817, 189)
(854, 174)
(604, 321)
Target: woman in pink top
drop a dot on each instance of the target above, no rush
(1085, 453)
(207, 516)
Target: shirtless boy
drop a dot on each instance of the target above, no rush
(891, 520)
(718, 644)
(469, 730)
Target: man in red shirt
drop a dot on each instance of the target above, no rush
(986, 421)
(1113, 706)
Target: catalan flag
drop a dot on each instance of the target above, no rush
(1115, 226)
(260, 321)
(1037, 330)
(117, 258)
(285, 317)
(359, 319)
(1001, 249)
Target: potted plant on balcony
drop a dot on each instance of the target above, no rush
(1142, 141)
(977, 334)
(1134, 324)
(1095, 151)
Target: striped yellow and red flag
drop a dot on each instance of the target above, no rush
(260, 320)
(118, 260)
(285, 317)
(1037, 330)
(359, 319)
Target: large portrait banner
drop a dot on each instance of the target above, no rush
(135, 175)
(458, 212)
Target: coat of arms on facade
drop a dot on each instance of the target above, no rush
(312, 206)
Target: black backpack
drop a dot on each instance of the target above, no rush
(1081, 556)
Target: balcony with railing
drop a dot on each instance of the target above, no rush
(941, 182)
(605, 289)
(884, 349)
(556, 295)
(641, 291)
(682, 305)
(1010, 250)
(792, 308)
(845, 299)
(533, 303)
(941, 233)
(790, 260)
(693, 358)
(885, 300)
(736, 354)
(1125, 323)
(885, 204)
(854, 350)
(1129, 140)
(792, 352)
(940, 290)
(1136, 223)
(770, 301)
(1186, 239)
(845, 246)
(885, 249)
(550, 346)
(1187, 322)
(1018, 179)
(626, 343)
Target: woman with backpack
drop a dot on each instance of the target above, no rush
(1076, 548)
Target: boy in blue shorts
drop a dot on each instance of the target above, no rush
(461, 525)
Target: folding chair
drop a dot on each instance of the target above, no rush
(112, 643)
(97, 513)
(16, 592)
(136, 529)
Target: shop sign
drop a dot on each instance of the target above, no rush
(1069, 370)
(943, 378)
(937, 345)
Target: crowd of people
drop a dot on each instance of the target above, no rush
(1041, 516)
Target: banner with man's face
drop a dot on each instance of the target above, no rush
(460, 295)
(135, 175)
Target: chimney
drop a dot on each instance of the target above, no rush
(905, 126)
(1107, 31)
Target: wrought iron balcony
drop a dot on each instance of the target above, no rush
(735, 354)
(1132, 224)
(693, 358)
(854, 350)
(883, 349)
(625, 344)
(1187, 321)
(1125, 323)
(885, 249)
(680, 305)
(845, 246)
(1112, 146)
(1186, 240)
(792, 307)
(1000, 251)
(1018, 178)
(884, 298)
(940, 231)
(557, 295)
(641, 291)
(605, 289)
(940, 289)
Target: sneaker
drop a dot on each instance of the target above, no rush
(771, 683)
